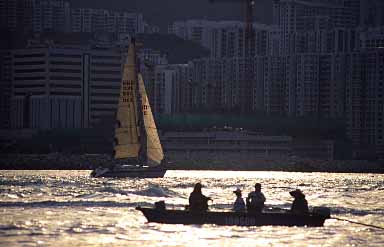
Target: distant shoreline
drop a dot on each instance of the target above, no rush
(59, 161)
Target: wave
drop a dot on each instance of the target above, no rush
(113, 190)
(150, 192)
(11, 227)
(21, 183)
(53, 204)
(154, 191)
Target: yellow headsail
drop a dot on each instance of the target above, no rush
(154, 150)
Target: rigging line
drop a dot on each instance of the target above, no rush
(358, 223)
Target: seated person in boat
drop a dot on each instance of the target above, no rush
(255, 200)
(239, 205)
(300, 204)
(197, 201)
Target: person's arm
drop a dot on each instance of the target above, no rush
(305, 204)
(248, 198)
(262, 197)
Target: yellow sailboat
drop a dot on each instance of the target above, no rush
(137, 148)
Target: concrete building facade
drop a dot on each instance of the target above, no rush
(56, 87)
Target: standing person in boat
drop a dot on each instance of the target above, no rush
(255, 200)
(239, 205)
(300, 204)
(197, 201)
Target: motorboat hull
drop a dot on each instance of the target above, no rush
(231, 218)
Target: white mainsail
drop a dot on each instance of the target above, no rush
(127, 133)
(153, 146)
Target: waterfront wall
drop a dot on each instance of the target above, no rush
(59, 161)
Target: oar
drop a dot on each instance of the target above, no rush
(358, 223)
(276, 208)
(341, 219)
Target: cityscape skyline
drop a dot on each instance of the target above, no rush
(316, 58)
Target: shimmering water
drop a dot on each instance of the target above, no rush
(68, 208)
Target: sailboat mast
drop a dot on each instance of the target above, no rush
(143, 134)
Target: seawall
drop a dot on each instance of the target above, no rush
(60, 161)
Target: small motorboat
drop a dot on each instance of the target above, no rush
(271, 218)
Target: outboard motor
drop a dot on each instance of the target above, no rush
(322, 211)
(160, 205)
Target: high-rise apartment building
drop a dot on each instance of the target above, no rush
(224, 84)
(47, 88)
(35, 15)
(101, 20)
(293, 15)
(148, 59)
(315, 26)
(307, 84)
(56, 15)
(332, 82)
(224, 38)
(372, 37)
(365, 102)
(105, 73)
(274, 84)
(8, 14)
(168, 86)
(58, 85)
(55, 86)
(5, 88)
(372, 13)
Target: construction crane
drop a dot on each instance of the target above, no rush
(248, 6)
(245, 96)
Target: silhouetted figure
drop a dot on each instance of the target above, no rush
(255, 200)
(197, 201)
(239, 205)
(300, 204)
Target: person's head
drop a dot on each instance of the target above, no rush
(258, 187)
(197, 187)
(297, 194)
(237, 192)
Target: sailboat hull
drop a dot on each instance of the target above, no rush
(130, 172)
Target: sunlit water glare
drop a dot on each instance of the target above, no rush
(69, 208)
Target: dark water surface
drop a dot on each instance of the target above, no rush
(69, 208)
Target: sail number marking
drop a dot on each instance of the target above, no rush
(127, 92)
(145, 109)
